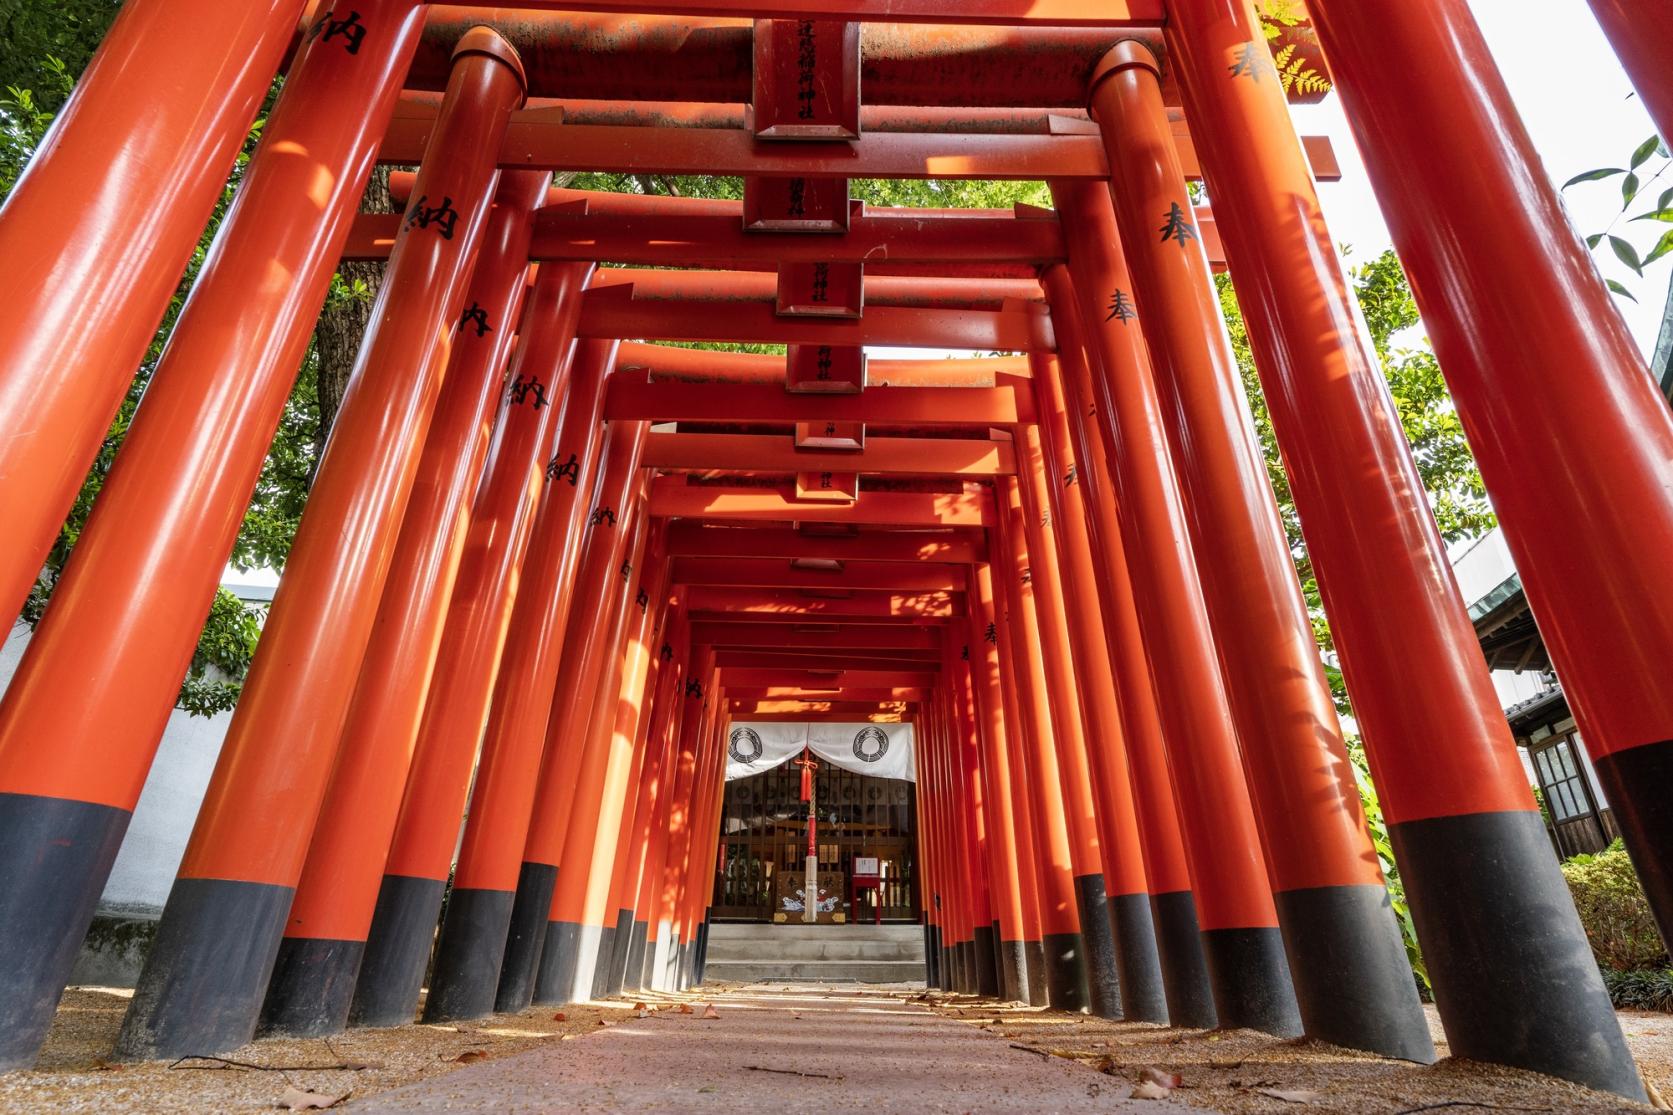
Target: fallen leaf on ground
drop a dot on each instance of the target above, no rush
(470, 1055)
(1162, 1079)
(710, 1012)
(295, 1099)
(640, 1006)
(1290, 1096)
(685, 1008)
(560, 1017)
(1149, 1091)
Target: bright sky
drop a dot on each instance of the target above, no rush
(1576, 103)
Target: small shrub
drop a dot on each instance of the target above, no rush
(1614, 911)
(1642, 990)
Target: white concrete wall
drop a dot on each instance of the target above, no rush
(168, 806)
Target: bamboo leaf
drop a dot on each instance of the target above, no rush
(1619, 289)
(1629, 190)
(1626, 253)
(1663, 247)
(1594, 176)
(1645, 150)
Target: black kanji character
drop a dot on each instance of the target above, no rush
(1252, 62)
(992, 633)
(570, 470)
(643, 599)
(1177, 227)
(352, 30)
(603, 516)
(1122, 308)
(693, 688)
(443, 216)
(521, 389)
(667, 653)
(477, 316)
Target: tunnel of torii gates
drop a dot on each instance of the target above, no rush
(547, 562)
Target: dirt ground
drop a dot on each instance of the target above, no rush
(1241, 1072)
(1238, 1072)
(72, 1074)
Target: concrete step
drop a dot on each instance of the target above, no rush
(814, 950)
(816, 971)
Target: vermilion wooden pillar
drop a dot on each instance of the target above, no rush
(641, 786)
(597, 765)
(995, 604)
(984, 941)
(174, 497)
(325, 930)
(420, 851)
(711, 793)
(997, 792)
(1065, 950)
(97, 231)
(676, 865)
(1575, 445)
(1189, 1000)
(466, 970)
(1081, 787)
(246, 853)
(583, 656)
(1230, 902)
(647, 899)
(1127, 900)
(1641, 31)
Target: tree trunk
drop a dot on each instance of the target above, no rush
(342, 325)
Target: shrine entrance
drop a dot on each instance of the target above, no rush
(763, 853)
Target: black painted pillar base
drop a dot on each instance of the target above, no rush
(525, 938)
(703, 949)
(949, 968)
(1184, 970)
(620, 948)
(1352, 981)
(469, 951)
(1036, 970)
(556, 982)
(932, 957)
(967, 966)
(638, 940)
(1102, 982)
(987, 962)
(1639, 785)
(1514, 978)
(202, 986)
(1251, 980)
(57, 857)
(1013, 971)
(397, 951)
(1142, 996)
(311, 988)
(1065, 967)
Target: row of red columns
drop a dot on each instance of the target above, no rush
(1135, 795)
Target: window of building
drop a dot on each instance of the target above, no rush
(1561, 779)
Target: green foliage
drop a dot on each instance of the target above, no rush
(1646, 989)
(1612, 907)
(1297, 76)
(222, 658)
(1649, 163)
(39, 41)
(270, 522)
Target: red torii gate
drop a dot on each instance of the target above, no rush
(1065, 569)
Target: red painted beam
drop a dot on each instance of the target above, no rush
(754, 677)
(878, 693)
(762, 286)
(848, 667)
(813, 710)
(666, 362)
(671, 496)
(613, 312)
(772, 573)
(742, 605)
(904, 456)
(847, 637)
(631, 398)
(956, 547)
(1043, 13)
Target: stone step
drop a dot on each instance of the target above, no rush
(755, 948)
(815, 971)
